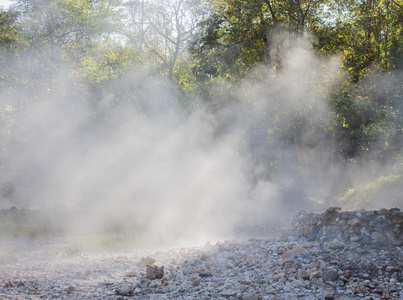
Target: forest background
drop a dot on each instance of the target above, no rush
(317, 86)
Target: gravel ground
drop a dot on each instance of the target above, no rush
(267, 266)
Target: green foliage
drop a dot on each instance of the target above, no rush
(9, 32)
(369, 117)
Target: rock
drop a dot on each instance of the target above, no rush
(304, 275)
(336, 244)
(355, 238)
(132, 274)
(329, 274)
(329, 296)
(348, 273)
(206, 274)
(378, 238)
(354, 222)
(125, 289)
(280, 250)
(251, 297)
(315, 275)
(290, 254)
(154, 272)
(104, 284)
(168, 288)
(228, 293)
(359, 288)
(70, 289)
(195, 282)
(147, 291)
(270, 291)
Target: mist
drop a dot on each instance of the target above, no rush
(147, 162)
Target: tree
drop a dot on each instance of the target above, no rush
(56, 31)
(239, 34)
(161, 29)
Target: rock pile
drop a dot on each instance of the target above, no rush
(382, 227)
(303, 265)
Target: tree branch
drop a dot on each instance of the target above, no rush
(273, 15)
(393, 1)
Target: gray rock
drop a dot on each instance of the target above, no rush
(71, 289)
(125, 289)
(154, 272)
(329, 274)
(206, 274)
(354, 222)
(336, 244)
(251, 297)
(228, 293)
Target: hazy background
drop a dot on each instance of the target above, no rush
(139, 154)
(5, 3)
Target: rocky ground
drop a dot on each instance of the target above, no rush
(335, 257)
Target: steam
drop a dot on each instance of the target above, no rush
(144, 162)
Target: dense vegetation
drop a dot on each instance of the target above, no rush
(88, 50)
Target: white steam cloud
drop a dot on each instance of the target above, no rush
(172, 173)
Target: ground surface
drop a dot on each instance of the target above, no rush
(265, 266)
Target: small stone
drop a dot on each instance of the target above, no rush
(132, 274)
(195, 282)
(205, 274)
(348, 273)
(378, 238)
(355, 238)
(336, 244)
(71, 289)
(104, 284)
(290, 254)
(246, 281)
(251, 297)
(315, 275)
(354, 222)
(154, 272)
(168, 288)
(304, 275)
(329, 274)
(359, 289)
(280, 250)
(228, 293)
(329, 296)
(147, 291)
(270, 291)
(125, 289)
(392, 269)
